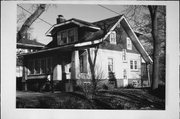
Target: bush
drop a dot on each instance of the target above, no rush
(129, 86)
(78, 88)
(105, 87)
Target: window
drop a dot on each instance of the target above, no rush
(113, 37)
(129, 43)
(48, 65)
(124, 58)
(31, 67)
(66, 36)
(40, 66)
(71, 35)
(37, 66)
(124, 74)
(43, 66)
(133, 65)
(83, 62)
(110, 65)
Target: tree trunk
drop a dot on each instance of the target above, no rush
(30, 20)
(156, 46)
(92, 68)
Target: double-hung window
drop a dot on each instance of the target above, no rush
(66, 36)
(83, 62)
(110, 64)
(129, 43)
(133, 65)
(113, 37)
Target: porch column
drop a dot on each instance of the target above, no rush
(57, 72)
(75, 65)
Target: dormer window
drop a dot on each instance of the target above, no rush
(64, 37)
(129, 43)
(113, 37)
(67, 36)
(71, 35)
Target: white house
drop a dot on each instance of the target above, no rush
(66, 57)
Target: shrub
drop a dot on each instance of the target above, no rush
(105, 87)
(129, 86)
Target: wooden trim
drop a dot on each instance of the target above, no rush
(37, 76)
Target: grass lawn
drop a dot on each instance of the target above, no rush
(129, 99)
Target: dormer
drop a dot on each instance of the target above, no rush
(68, 31)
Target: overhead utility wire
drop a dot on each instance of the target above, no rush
(108, 9)
(31, 13)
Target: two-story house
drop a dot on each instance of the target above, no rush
(66, 57)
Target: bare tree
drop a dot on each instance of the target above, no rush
(92, 64)
(21, 33)
(151, 19)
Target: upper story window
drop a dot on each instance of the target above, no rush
(64, 37)
(129, 43)
(67, 36)
(113, 37)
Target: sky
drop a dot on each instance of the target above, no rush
(90, 13)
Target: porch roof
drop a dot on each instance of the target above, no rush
(65, 48)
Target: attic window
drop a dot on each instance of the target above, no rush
(113, 37)
(129, 43)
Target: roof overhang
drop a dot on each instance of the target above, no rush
(131, 33)
(136, 41)
(48, 33)
(66, 48)
(22, 45)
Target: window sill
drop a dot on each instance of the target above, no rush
(133, 70)
(125, 61)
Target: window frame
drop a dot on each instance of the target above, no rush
(128, 43)
(134, 64)
(83, 62)
(39, 69)
(113, 37)
(67, 31)
(110, 65)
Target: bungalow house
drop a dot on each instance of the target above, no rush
(112, 42)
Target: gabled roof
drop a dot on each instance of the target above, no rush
(108, 25)
(103, 29)
(105, 25)
(24, 43)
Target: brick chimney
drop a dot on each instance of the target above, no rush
(60, 19)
